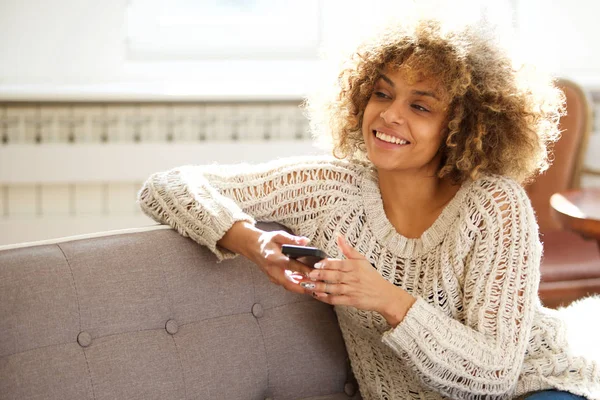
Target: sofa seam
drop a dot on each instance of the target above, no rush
(74, 284)
(34, 349)
(90, 374)
(79, 315)
(167, 288)
(262, 338)
(262, 335)
(310, 299)
(95, 338)
(172, 313)
(149, 329)
(180, 366)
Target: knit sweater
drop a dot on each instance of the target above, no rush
(477, 328)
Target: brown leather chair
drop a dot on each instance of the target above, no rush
(570, 265)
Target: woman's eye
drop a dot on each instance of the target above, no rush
(420, 108)
(381, 95)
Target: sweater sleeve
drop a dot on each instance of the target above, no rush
(480, 355)
(203, 202)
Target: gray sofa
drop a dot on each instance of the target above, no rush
(151, 315)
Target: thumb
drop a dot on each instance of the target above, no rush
(349, 252)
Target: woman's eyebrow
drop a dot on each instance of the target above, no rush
(416, 92)
(422, 93)
(388, 80)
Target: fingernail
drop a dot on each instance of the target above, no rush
(308, 285)
(318, 265)
(313, 274)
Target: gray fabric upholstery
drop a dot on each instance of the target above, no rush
(151, 315)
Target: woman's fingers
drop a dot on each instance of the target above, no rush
(290, 280)
(282, 237)
(335, 264)
(330, 276)
(298, 266)
(278, 267)
(343, 271)
(348, 251)
(337, 289)
(288, 273)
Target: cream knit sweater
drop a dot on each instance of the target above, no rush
(477, 329)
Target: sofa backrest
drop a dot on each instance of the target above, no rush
(151, 315)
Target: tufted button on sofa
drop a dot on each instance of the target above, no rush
(152, 315)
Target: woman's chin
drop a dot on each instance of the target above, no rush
(383, 163)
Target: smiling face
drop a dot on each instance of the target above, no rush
(404, 123)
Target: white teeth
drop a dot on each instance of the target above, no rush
(390, 139)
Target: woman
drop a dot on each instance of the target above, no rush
(434, 246)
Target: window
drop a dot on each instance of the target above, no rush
(273, 46)
(216, 30)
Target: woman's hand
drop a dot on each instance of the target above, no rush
(354, 282)
(264, 249)
(280, 269)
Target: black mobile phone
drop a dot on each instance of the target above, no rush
(306, 255)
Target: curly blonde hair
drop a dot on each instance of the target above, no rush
(500, 121)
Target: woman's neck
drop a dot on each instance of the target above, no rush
(413, 202)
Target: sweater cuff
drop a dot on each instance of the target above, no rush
(221, 252)
(403, 338)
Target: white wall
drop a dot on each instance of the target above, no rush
(62, 41)
(563, 35)
(75, 41)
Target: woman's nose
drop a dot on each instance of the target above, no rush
(392, 115)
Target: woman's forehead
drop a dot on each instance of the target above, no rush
(414, 77)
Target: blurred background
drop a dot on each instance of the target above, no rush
(97, 95)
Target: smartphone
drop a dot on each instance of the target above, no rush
(306, 255)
